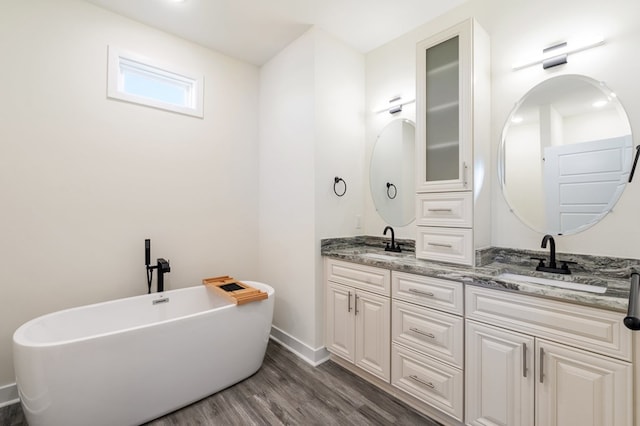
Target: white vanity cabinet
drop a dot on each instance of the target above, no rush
(464, 354)
(427, 350)
(452, 143)
(532, 361)
(358, 315)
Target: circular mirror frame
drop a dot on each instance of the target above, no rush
(622, 115)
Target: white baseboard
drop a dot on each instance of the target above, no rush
(8, 395)
(312, 356)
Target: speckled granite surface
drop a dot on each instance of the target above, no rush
(611, 273)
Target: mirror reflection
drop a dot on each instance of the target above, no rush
(392, 180)
(565, 155)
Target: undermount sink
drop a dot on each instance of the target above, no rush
(553, 283)
(379, 256)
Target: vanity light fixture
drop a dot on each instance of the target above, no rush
(558, 53)
(395, 105)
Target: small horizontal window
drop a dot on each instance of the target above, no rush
(133, 78)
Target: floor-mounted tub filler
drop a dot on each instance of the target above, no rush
(131, 360)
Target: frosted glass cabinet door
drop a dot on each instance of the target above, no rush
(443, 135)
(444, 118)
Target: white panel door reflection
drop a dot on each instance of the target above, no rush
(579, 181)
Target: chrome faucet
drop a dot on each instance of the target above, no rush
(393, 247)
(553, 267)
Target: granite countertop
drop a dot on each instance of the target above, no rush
(612, 274)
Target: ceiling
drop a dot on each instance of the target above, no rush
(256, 30)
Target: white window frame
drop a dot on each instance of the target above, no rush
(120, 61)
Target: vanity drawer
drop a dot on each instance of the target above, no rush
(425, 330)
(369, 278)
(452, 209)
(598, 330)
(428, 380)
(453, 245)
(437, 293)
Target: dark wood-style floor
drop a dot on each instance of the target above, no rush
(286, 391)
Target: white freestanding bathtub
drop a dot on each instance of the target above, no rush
(128, 361)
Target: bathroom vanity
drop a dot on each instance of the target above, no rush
(471, 334)
(463, 346)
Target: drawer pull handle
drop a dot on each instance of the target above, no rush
(440, 210)
(541, 365)
(424, 333)
(349, 303)
(524, 360)
(355, 305)
(440, 245)
(422, 382)
(421, 293)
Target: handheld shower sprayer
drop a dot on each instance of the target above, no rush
(147, 252)
(147, 262)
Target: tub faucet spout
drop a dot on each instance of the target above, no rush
(162, 267)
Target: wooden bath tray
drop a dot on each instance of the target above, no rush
(234, 290)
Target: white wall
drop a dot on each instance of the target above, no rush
(517, 30)
(311, 130)
(85, 179)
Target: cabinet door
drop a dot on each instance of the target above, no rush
(444, 102)
(499, 376)
(373, 334)
(579, 388)
(339, 321)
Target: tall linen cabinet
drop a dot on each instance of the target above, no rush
(452, 143)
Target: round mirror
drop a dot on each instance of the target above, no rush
(391, 173)
(565, 155)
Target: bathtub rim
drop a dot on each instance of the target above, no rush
(19, 338)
